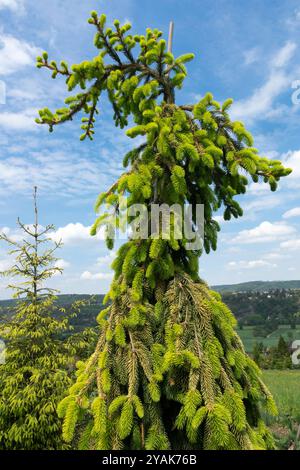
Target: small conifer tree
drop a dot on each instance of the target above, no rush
(169, 370)
(34, 377)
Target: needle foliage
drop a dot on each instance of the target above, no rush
(34, 376)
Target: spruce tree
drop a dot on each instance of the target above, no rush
(33, 378)
(169, 370)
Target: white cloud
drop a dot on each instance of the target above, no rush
(104, 260)
(72, 233)
(5, 264)
(260, 104)
(279, 60)
(251, 56)
(291, 160)
(32, 89)
(265, 232)
(62, 264)
(295, 212)
(253, 264)
(275, 256)
(24, 95)
(234, 249)
(15, 54)
(219, 219)
(59, 166)
(15, 235)
(88, 276)
(262, 203)
(19, 121)
(291, 245)
(14, 5)
(75, 233)
(284, 55)
(62, 172)
(294, 21)
(258, 188)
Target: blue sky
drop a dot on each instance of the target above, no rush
(247, 50)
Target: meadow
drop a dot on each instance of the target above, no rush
(249, 339)
(284, 385)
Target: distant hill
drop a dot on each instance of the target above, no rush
(257, 286)
(265, 305)
(86, 317)
(62, 300)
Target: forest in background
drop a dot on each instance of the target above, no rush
(266, 318)
(265, 309)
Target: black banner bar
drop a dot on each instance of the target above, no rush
(131, 459)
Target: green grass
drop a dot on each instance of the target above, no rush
(249, 340)
(285, 387)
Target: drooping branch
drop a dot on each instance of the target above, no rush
(114, 77)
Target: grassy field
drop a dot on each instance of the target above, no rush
(285, 387)
(246, 334)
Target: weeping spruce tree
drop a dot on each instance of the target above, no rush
(169, 370)
(33, 378)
